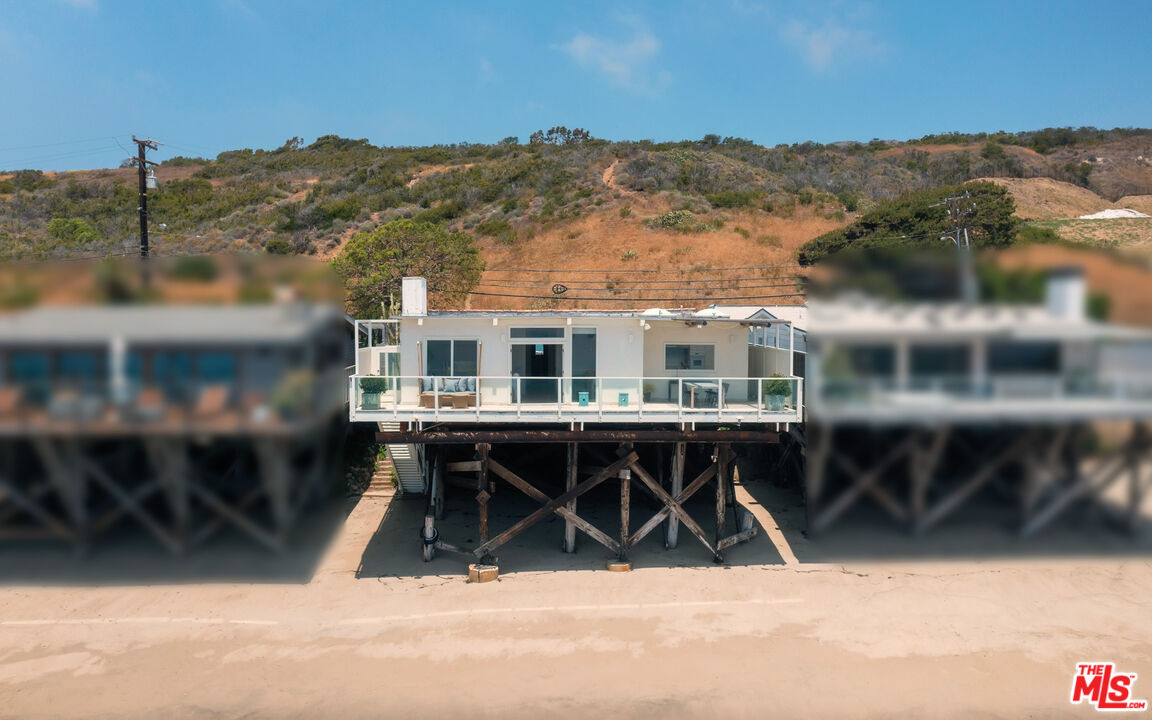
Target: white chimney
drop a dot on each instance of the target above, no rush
(1066, 294)
(414, 297)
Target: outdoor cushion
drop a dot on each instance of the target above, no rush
(426, 384)
(471, 384)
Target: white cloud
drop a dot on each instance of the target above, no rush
(486, 71)
(832, 43)
(626, 62)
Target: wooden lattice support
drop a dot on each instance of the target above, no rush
(557, 505)
(570, 474)
(818, 441)
(168, 458)
(61, 461)
(1127, 459)
(925, 458)
(979, 479)
(864, 481)
(672, 528)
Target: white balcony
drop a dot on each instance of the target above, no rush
(576, 400)
(1034, 397)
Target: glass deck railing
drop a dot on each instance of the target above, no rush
(994, 389)
(687, 397)
(298, 396)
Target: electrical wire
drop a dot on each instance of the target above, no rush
(665, 272)
(638, 300)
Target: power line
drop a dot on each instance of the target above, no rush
(639, 300)
(63, 142)
(666, 272)
(605, 288)
(576, 284)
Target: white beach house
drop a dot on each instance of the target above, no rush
(716, 365)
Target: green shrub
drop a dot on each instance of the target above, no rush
(72, 231)
(742, 232)
(625, 212)
(279, 246)
(199, 268)
(680, 220)
(494, 228)
(628, 255)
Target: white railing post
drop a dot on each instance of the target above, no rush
(519, 397)
(719, 398)
(680, 398)
(759, 398)
(559, 399)
(600, 397)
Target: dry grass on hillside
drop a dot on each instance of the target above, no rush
(1128, 284)
(606, 244)
(1047, 199)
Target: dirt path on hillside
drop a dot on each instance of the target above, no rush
(608, 177)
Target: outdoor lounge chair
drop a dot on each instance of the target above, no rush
(9, 402)
(213, 401)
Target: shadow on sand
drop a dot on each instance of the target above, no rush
(126, 555)
(984, 529)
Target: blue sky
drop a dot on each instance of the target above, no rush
(203, 76)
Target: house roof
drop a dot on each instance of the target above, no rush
(877, 320)
(242, 324)
(718, 313)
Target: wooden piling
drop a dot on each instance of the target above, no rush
(569, 483)
(672, 528)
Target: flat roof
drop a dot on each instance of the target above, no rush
(239, 324)
(871, 319)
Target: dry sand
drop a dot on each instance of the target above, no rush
(373, 632)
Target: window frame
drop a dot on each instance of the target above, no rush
(690, 345)
(451, 355)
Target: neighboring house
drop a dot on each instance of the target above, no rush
(882, 362)
(119, 365)
(573, 366)
(183, 419)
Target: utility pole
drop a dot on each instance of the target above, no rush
(960, 208)
(142, 162)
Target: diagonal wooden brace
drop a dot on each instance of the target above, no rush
(554, 505)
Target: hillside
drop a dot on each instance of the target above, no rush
(563, 201)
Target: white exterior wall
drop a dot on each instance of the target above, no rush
(730, 339)
(615, 355)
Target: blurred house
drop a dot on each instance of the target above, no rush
(919, 406)
(183, 418)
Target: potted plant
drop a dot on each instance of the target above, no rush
(294, 392)
(647, 393)
(777, 391)
(370, 389)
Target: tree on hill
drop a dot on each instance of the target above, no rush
(900, 250)
(917, 220)
(374, 261)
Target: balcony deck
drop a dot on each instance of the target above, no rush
(609, 400)
(1045, 398)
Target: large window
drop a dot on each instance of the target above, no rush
(1008, 357)
(689, 357)
(928, 360)
(870, 361)
(531, 332)
(452, 358)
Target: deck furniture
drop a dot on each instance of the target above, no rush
(709, 392)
